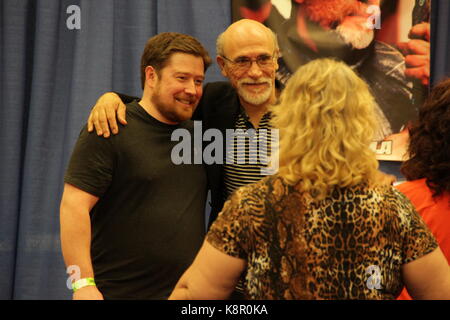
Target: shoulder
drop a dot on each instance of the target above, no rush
(380, 199)
(244, 211)
(219, 101)
(388, 60)
(133, 109)
(219, 90)
(395, 205)
(257, 197)
(138, 119)
(87, 140)
(218, 87)
(257, 190)
(390, 196)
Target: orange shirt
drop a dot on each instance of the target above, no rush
(435, 213)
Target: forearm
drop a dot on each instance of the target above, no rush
(76, 240)
(428, 277)
(180, 293)
(212, 275)
(193, 285)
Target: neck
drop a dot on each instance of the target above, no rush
(256, 112)
(252, 109)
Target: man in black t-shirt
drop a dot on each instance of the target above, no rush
(131, 219)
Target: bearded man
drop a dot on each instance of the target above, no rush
(127, 222)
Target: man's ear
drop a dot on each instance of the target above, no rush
(277, 55)
(221, 63)
(150, 76)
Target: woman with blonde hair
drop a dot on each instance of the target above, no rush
(321, 228)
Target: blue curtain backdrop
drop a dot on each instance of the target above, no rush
(440, 42)
(50, 76)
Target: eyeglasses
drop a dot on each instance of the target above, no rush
(243, 63)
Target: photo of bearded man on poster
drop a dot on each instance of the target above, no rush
(398, 75)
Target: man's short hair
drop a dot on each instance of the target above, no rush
(159, 48)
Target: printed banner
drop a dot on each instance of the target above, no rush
(387, 42)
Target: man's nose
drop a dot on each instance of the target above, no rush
(190, 88)
(255, 70)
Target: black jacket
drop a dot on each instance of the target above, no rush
(218, 109)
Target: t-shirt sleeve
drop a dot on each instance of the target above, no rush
(418, 240)
(230, 231)
(91, 164)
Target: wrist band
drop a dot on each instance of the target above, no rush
(83, 283)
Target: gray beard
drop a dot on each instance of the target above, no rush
(255, 99)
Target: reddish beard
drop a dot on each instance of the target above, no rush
(330, 12)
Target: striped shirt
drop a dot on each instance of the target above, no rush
(248, 152)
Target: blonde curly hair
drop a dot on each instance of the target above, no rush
(326, 121)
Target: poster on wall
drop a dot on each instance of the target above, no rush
(387, 42)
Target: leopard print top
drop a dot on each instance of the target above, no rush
(351, 245)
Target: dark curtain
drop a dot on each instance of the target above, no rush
(50, 78)
(440, 40)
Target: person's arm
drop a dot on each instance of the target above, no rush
(425, 270)
(428, 277)
(103, 115)
(212, 275)
(76, 236)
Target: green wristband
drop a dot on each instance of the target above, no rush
(82, 283)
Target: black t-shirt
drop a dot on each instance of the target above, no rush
(149, 221)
